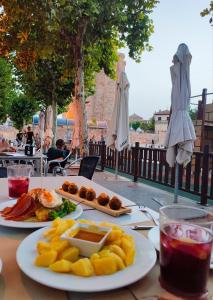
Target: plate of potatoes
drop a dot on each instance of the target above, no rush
(126, 257)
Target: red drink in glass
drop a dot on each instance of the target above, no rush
(185, 258)
(18, 186)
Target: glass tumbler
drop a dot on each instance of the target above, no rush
(18, 180)
(186, 235)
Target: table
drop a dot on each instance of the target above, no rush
(147, 288)
(17, 156)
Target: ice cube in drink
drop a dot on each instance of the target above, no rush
(184, 259)
(18, 186)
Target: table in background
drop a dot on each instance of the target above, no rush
(38, 159)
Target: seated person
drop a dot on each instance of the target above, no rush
(59, 153)
(19, 138)
(29, 136)
(5, 147)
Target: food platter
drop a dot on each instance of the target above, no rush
(26, 224)
(144, 261)
(94, 204)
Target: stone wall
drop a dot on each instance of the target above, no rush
(161, 126)
(100, 105)
(9, 133)
(145, 138)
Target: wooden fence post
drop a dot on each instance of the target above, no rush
(90, 147)
(205, 176)
(204, 96)
(135, 161)
(103, 155)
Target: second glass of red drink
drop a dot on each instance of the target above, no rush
(186, 235)
(18, 180)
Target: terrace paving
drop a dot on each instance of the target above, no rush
(140, 193)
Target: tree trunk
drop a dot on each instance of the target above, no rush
(54, 126)
(79, 89)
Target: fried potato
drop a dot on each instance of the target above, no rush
(43, 247)
(82, 267)
(70, 254)
(46, 259)
(59, 246)
(105, 265)
(61, 266)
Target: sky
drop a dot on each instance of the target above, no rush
(175, 21)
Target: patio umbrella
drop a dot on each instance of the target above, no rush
(48, 136)
(69, 115)
(181, 134)
(75, 135)
(118, 137)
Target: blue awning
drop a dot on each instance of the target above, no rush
(60, 121)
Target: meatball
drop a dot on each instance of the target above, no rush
(65, 186)
(82, 192)
(90, 194)
(73, 188)
(115, 203)
(103, 199)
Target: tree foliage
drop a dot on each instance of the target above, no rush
(148, 126)
(193, 113)
(49, 83)
(151, 125)
(135, 125)
(85, 33)
(208, 11)
(21, 110)
(47, 80)
(6, 88)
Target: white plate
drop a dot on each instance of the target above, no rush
(144, 261)
(211, 262)
(21, 224)
(154, 236)
(0, 265)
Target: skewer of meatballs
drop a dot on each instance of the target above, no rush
(89, 194)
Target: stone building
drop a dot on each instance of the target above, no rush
(204, 127)
(100, 106)
(161, 121)
(135, 118)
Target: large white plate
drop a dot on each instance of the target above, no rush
(154, 236)
(144, 261)
(21, 224)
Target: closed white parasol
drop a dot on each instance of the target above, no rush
(181, 134)
(118, 137)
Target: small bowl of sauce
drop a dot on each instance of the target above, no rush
(88, 238)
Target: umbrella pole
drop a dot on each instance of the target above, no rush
(41, 153)
(176, 182)
(116, 166)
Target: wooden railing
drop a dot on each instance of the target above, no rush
(150, 164)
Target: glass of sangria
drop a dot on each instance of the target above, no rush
(186, 236)
(18, 180)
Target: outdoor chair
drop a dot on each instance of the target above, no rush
(3, 172)
(57, 162)
(87, 167)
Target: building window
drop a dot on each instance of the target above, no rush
(159, 118)
(167, 118)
